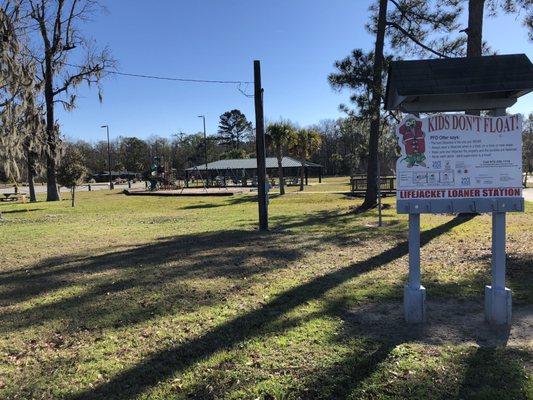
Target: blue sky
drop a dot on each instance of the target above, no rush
(297, 42)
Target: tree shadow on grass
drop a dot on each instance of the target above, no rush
(331, 226)
(397, 372)
(211, 254)
(165, 363)
(207, 255)
(231, 201)
(124, 287)
(518, 275)
(111, 289)
(21, 210)
(496, 373)
(201, 206)
(489, 370)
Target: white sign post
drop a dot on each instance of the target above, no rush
(454, 163)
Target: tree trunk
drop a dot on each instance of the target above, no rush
(302, 174)
(474, 44)
(31, 176)
(371, 194)
(73, 194)
(280, 170)
(52, 191)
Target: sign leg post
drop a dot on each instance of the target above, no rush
(498, 298)
(414, 295)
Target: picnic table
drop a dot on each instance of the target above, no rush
(387, 184)
(13, 196)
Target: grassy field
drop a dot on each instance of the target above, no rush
(182, 298)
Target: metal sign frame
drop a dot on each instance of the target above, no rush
(498, 298)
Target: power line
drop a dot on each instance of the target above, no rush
(243, 91)
(167, 78)
(175, 79)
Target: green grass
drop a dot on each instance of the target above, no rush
(334, 184)
(178, 298)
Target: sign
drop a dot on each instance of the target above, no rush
(457, 156)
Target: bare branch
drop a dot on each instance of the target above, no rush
(85, 73)
(414, 39)
(71, 17)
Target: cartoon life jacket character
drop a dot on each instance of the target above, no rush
(414, 141)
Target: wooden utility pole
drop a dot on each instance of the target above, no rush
(260, 149)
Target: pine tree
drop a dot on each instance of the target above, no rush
(233, 128)
(414, 27)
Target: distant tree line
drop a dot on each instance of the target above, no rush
(343, 149)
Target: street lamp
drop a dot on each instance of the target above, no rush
(205, 148)
(108, 157)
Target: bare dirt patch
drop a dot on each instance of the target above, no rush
(448, 321)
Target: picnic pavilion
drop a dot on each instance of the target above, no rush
(243, 171)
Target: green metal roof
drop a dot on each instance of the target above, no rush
(251, 163)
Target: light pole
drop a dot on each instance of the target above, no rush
(205, 148)
(108, 157)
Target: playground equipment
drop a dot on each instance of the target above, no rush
(162, 176)
(195, 176)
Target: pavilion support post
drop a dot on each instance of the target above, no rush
(320, 175)
(186, 179)
(414, 295)
(306, 176)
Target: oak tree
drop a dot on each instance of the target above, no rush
(21, 133)
(62, 44)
